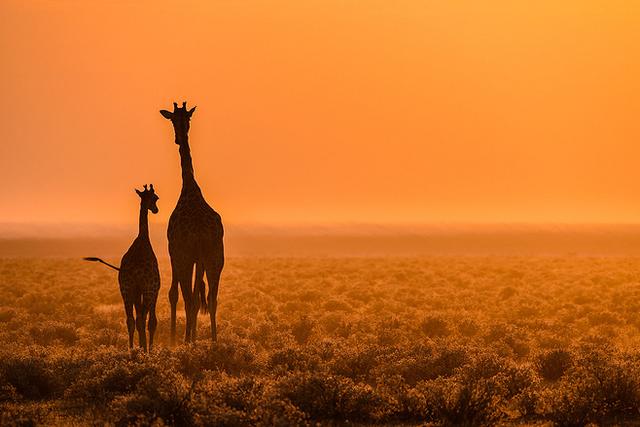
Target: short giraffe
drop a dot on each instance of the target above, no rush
(139, 276)
(195, 235)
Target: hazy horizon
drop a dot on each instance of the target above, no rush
(75, 241)
(92, 229)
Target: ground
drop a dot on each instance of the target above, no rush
(404, 341)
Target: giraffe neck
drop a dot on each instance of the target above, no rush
(143, 226)
(186, 163)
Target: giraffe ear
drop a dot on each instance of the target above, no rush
(191, 111)
(139, 192)
(166, 114)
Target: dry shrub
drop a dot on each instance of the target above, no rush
(6, 314)
(514, 380)
(433, 327)
(231, 356)
(553, 364)
(265, 333)
(336, 324)
(462, 403)
(394, 392)
(8, 392)
(336, 305)
(35, 303)
(31, 415)
(273, 410)
(483, 366)
(604, 318)
(331, 322)
(221, 399)
(293, 358)
(507, 292)
(216, 391)
(111, 375)
(468, 327)
(528, 402)
(598, 388)
(295, 307)
(355, 362)
(51, 332)
(109, 337)
(425, 362)
(29, 376)
(161, 396)
(506, 378)
(302, 329)
(330, 397)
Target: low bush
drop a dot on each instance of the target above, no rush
(330, 397)
(29, 376)
(553, 364)
(434, 327)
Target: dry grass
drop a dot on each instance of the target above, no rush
(451, 340)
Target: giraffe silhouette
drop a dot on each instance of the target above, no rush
(139, 276)
(195, 235)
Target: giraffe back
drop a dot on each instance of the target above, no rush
(194, 227)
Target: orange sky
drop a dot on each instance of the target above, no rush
(324, 111)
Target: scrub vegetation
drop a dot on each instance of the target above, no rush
(301, 341)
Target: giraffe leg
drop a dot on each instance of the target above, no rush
(186, 295)
(185, 280)
(202, 290)
(153, 323)
(131, 323)
(197, 284)
(173, 300)
(141, 316)
(213, 278)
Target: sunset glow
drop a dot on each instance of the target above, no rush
(324, 111)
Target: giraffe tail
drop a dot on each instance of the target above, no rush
(99, 260)
(204, 304)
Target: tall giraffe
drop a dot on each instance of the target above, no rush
(195, 236)
(138, 275)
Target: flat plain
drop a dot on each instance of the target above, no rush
(451, 340)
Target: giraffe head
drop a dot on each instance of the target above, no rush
(180, 118)
(148, 198)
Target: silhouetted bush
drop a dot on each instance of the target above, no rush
(110, 374)
(596, 389)
(29, 376)
(463, 403)
(330, 397)
(8, 392)
(229, 356)
(553, 364)
(274, 411)
(160, 396)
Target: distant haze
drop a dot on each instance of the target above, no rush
(77, 240)
(323, 111)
